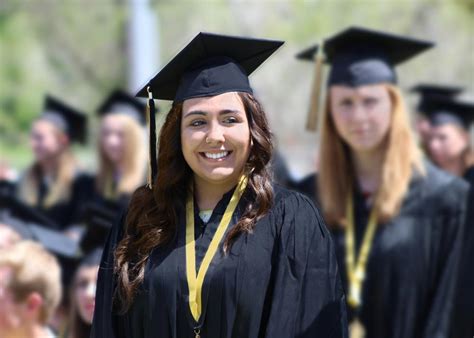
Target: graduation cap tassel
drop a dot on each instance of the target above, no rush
(312, 121)
(151, 121)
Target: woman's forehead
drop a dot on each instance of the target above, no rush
(214, 104)
(375, 89)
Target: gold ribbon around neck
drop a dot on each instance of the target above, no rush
(195, 283)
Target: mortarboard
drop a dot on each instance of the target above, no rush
(68, 119)
(209, 65)
(429, 92)
(448, 111)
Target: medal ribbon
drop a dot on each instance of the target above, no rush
(195, 282)
(356, 270)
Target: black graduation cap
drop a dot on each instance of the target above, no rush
(448, 111)
(65, 249)
(435, 92)
(99, 219)
(209, 65)
(120, 102)
(361, 56)
(72, 121)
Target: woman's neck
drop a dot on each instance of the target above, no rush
(368, 169)
(208, 194)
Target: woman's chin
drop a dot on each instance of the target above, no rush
(219, 175)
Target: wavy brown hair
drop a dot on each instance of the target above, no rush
(152, 217)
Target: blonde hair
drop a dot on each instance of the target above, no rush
(336, 175)
(34, 270)
(136, 160)
(61, 188)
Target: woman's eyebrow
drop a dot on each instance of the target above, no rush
(203, 113)
(230, 111)
(195, 112)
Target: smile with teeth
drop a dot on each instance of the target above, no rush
(216, 156)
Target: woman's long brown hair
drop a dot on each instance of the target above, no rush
(151, 219)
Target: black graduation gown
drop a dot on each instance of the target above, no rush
(410, 282)
(463, 326)
(65, 213)
(282, 280)
(88, 183)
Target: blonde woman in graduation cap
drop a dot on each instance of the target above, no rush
(121, 149)
(53, 183)
(211, 248)
(396, 220)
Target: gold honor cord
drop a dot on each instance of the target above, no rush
(356, 271)
(195, 282)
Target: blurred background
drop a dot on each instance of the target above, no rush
(81, 50)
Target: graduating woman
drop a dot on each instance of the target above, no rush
(213, 249)
(52, 184)
(396, 220)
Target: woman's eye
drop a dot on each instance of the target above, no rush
(82, 284)
(346, 103)
(197, 123)
(230, 119)
(370, 101)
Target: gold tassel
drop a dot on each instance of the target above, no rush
(312, 121)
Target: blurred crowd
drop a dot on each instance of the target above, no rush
(56, 214)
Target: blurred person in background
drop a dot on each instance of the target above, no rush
(449, 144)
(82, 296)
(30, 290)
(52, 184)
(213, 249)
(121, 149)
(397, 221)
(450, 148)
(428, 93)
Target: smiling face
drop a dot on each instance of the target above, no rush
(215, 137)
(361, 115)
